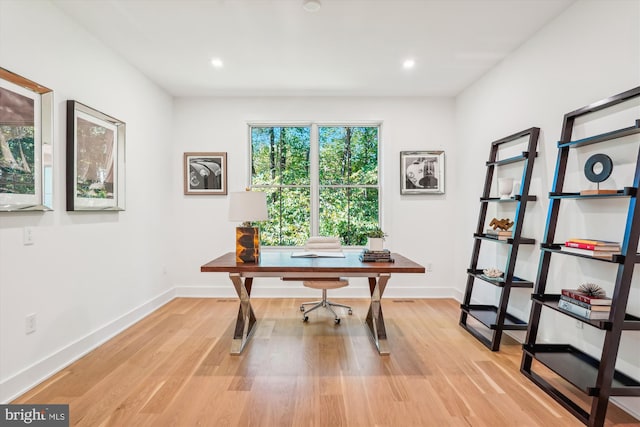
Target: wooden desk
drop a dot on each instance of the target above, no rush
(280, 264)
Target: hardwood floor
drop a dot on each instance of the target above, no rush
(174, 369)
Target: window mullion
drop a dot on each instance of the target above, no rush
(314, 177)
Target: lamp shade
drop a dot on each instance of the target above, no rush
(248, 206)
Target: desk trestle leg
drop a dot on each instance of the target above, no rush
(246, 317)
(375, 320)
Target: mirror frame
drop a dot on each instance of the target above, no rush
(42, 199)
(89, 200)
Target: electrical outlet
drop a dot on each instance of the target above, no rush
(579, 324)
(27, 236)
(429, 267)
(30, 324)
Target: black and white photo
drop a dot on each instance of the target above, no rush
(205, 173)
(422, 172)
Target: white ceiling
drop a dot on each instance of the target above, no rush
(347, 48)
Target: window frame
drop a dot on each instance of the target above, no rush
(314, 164)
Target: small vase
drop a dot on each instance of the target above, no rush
(505, 188)
(375, 243)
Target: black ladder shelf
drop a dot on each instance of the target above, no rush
(495, 317)
(596, 378)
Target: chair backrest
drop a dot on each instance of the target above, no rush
(323, 243)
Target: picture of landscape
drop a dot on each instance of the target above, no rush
(17, 145)
(95, 159)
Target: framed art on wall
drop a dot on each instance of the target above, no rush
(205, 173)
(26, 144)
(422, 172)
(95, 160)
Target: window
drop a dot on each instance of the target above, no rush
(319, 180)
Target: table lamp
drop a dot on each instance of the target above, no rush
(248, 206)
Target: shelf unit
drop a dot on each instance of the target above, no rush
(495, 317)
(596, 378)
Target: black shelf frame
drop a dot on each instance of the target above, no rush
(596, 377)
(495, 317)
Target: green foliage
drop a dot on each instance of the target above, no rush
(376, 233)
(348, 179)
(20, 141)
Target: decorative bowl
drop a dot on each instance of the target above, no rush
(492, 272)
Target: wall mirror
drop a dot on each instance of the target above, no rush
(26, 144)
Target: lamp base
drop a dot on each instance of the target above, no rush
(247, 244)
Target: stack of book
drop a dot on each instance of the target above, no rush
(585, 305)
(376, 256)
(499, 234)
(593, 248)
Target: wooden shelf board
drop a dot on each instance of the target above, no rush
(487, 314)
(514, 159)
(515, 198)
(523, 240)
(625, 192)
(580, 369)
(555, 247)
(517, 282)
(619, 133)
(631, 322)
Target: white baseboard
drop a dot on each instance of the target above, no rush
(33, 375)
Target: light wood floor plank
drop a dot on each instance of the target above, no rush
(174, 369)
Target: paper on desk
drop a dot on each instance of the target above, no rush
(317, 254)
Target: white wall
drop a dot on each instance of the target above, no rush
(88, 275)
(588, 53)
(417, 225)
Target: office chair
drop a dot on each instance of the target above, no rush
(331, 244)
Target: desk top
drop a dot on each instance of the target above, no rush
(282, 262)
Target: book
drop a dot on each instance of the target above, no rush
(499, 232)
(595, 254)
(611, 248)
(581, 296)
(594, 242)
(591, 307)
(498, 236)
(317, 254)
(363, 259)
(581, 311)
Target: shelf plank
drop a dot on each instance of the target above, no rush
(523, 240)
(516, 282)
(555, 248)
(522, 157)
(607, 136)
(516, 198)
(580, 369)
(625, 192)
(487, 315)
(631, 322)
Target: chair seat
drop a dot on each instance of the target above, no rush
(325, 284)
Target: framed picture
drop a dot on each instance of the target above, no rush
(26, 144)
(95, 160)
(422, 172)
(205, 173)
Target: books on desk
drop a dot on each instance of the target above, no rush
(376, 256)
(317, 254)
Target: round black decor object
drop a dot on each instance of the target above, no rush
(598, 167)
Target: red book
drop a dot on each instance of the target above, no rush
(605, 248)
(581, 296)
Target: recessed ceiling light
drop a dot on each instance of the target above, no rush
(408, 64)
(217, 63)
(311, 5)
